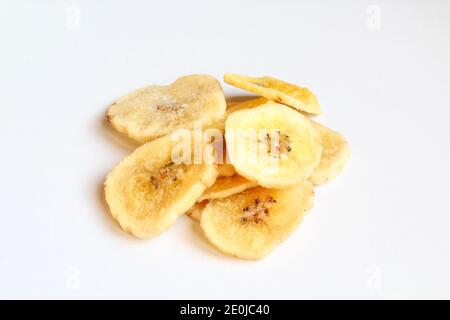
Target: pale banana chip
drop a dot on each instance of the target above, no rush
(250, 224)
(154, 111)
(335, 149)
(147, 191)
(335, 154)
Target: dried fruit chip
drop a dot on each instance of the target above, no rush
(147, 191)
(272, 144)
(227, 186)
(252, 223)
(290, 94)
(246, 105)
(155, 111)
(226, 170)
(195, 212)
(335, 154)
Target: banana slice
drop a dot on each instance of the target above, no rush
(246, 105)
(334, 157)
(154, 111)
(227, 186)
(250, 224)
(272, 144)
(226, 170)
(147, 191)
(195, 212)
(271, 88)
(231, 106)
(335, 149)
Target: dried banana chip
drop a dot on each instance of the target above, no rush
(195, 212)
(335, 154)
(250, 224)
(272, 144)
(226, 170)
(290, 94)
(148, 191)
(227, 186)
(154, 111)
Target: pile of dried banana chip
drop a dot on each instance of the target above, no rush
(246, 172)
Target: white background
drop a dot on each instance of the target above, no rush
(380, 69)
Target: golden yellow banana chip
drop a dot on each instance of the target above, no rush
(195, 212)
(155, 111)
(246, 105)
(226, 170)
(250, 224)
(271, 88)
